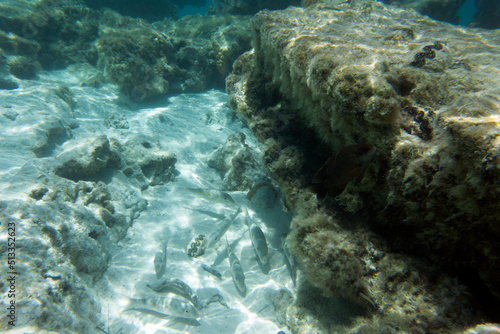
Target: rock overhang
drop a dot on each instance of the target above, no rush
(425, 93)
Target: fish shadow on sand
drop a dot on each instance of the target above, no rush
(186, 321)
(223, 253)
(173, 320)
(221, 256)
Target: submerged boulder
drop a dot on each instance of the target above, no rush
(424, 93)
(147, 162)
(89, 161)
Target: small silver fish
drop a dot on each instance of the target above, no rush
(163, 307)
(257, 237)
(177, 287)
(289, 259)
(212, 195)
(211, 270)
(221, 229)
(160, 261)
(236, 270)
(259, 243)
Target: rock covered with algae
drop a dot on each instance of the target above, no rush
(144, 60)
(425, 94)
(192, 54)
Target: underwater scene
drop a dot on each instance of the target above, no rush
(250, 166)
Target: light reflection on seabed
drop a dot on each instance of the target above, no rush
(177, 215)
(129, 274)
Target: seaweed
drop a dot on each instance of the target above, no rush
(429, 53)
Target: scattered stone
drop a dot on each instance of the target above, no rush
(237, 163)
(116, 122)
(38, 193)
(88, 162)
(64, 93)
(23, 68)
(8, 84)
(147, 162)
(48, 134)
(10, 114)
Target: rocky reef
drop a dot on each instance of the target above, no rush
(145, 60)
(48, 34)
(415, 240)
(185, 56)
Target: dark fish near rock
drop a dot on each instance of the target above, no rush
(256, 187)
(263, 196)
(347, 164)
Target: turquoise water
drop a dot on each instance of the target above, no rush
(119, 214)
(191, 10)
(466, 12)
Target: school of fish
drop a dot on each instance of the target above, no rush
(181, 302)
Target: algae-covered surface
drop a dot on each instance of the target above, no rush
(426, 95)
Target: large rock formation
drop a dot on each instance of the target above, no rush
(425, 94)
